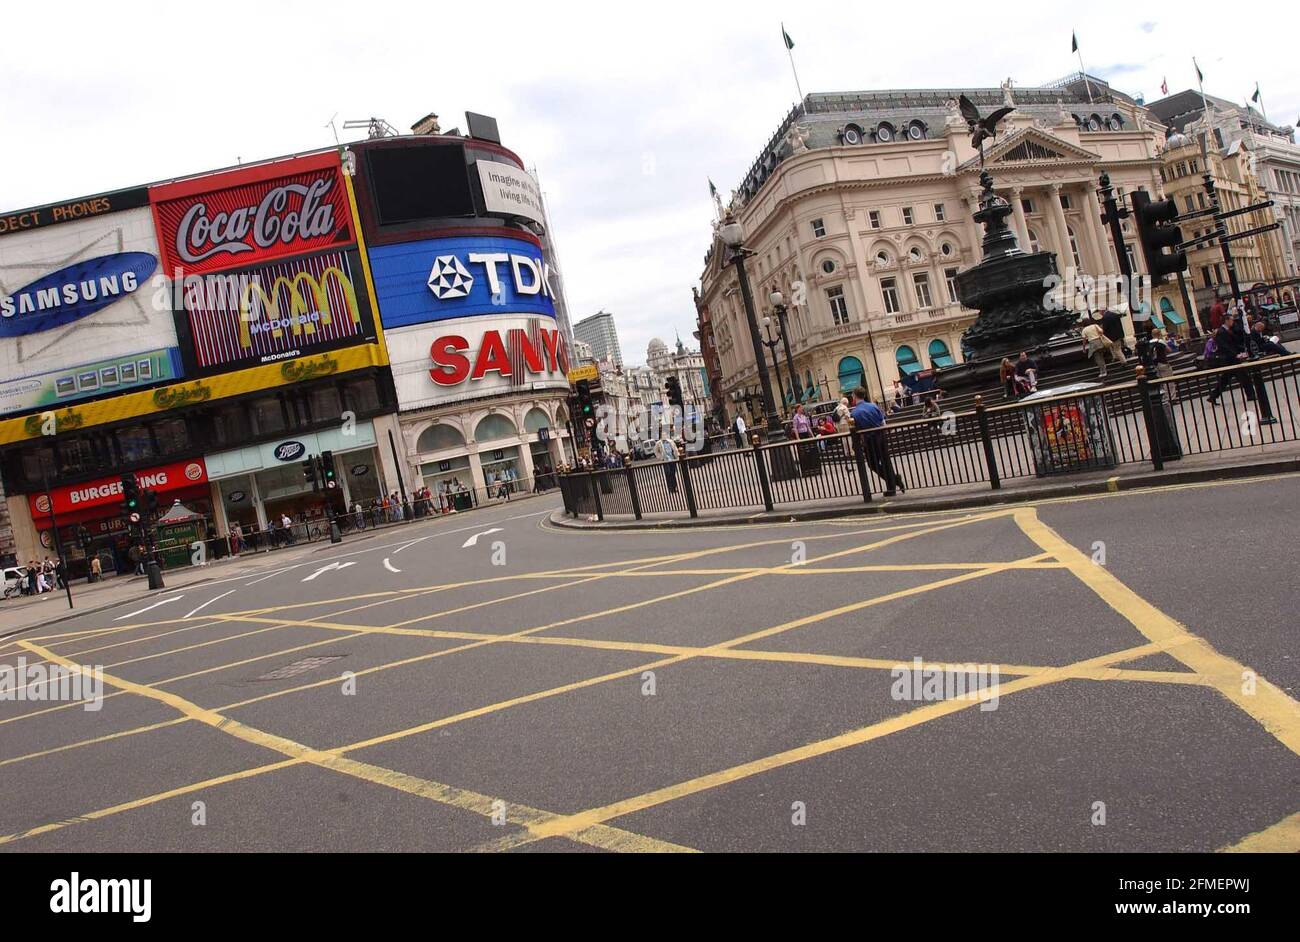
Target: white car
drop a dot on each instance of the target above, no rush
(13, 581)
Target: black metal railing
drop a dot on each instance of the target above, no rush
(1252, 404)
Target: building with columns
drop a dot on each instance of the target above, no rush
(859, 211)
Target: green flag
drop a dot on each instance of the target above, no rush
(1255, 97)
(1074, 42)
(789, 43)
(713, 190)
(1199, 76)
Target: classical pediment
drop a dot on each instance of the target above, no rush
(1031, 146)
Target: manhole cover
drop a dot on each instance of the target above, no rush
(298, 667)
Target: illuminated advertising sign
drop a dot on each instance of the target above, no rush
(482, 356)
(107, 492)
(81, 310)
(276, 312)
(443, 279)
(254, 215)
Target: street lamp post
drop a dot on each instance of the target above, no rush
(778, 305)
(733, 236)
(771, 344)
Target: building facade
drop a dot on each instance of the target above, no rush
(859, 211)
(1274, 155)
(600, 333)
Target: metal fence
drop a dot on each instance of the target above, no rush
(1256, 403)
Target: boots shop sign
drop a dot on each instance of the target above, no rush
(238, 218)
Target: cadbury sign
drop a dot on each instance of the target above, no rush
(247, 216)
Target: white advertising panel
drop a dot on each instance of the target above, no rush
(83, 311)
(510, 191)
(486, 355)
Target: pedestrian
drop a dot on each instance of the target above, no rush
(1112, 325)
(867, 416)
(1230, 344)
(33, 578)
(740, 431)
(666, 451)
(1267, 344)
(1007, 376)
(842, 418)
(60, 573)
(1095, 345)
(801, 424)
(1217, 311)
(1027, 368)
(96, 569)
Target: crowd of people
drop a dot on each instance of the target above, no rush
(37, 578)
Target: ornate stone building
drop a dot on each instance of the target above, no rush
(859, 209)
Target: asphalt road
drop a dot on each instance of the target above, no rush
(444, 687)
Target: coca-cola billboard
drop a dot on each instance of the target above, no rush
(242, 217)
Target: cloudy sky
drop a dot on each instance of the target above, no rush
(624, 110)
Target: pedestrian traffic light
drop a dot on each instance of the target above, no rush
(327, 469)
(309, 473)
(674, 387)
(1156, 232)
(130, 493)
(586, 409)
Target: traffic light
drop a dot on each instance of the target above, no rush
(674, 387)
(130, 493)
(151, 501)
(327, 469)
(586, 409)
(309, 473)
(1156, 232)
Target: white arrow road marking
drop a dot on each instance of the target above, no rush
(141, 611)
(209, 602)
(389, 566)
(325, 569)
(473, 540)
(409, 545)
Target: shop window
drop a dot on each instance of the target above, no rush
(326, 404)
(134, 445)
(37, 460)
(77, 456)
(493, 427)
(501, 469)
(362, 396)
(230, 424)
(907, 361)
(939, 355)
(267, 416)
(439, 438)
(171, 436)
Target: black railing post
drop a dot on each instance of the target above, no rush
(630, 470)
(1148, 413)
(595, 493)
(762, 475)
(858, 444)
(990, 459)
(686, 482)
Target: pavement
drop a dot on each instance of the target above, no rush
(497, 683)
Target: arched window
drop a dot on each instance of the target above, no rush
(439, 438)
(1074, 249)
(852, 375)
(536, 419)
(561, 414)
(1034, 244)
(494, 426)
(907, 361)
(939, 355)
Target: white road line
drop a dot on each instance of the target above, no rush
(389, 566)
(209, 602)
(473, 540)
(409, 545)
(141, 611)
(325, 569)
(271, 575)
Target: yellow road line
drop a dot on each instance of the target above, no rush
(1267, 704)
(873, 731)
(1280, 838)
(442, 794)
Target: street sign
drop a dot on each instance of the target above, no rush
(579, 373)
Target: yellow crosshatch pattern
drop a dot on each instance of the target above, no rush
(1154, 633)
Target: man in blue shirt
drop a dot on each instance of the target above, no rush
(867, 415)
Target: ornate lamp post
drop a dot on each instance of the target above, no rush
(771, 343)
(732, 235)
(778, 305)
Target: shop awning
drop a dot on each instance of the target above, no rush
(942, 360)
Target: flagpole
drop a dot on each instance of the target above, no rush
(789, 48)
(1262, 109)
(1079, 52)
(1205, 104)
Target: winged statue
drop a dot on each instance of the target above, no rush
(982, 128)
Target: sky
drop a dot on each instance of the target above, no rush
(625, 112)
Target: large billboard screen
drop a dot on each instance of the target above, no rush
(83, 311)
(276, 312)
(252, 216)
(442, 279)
